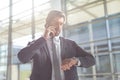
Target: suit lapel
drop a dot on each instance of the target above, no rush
(47, 51)
(62, 44)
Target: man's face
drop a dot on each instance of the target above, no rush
(58, 24)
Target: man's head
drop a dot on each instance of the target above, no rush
(55, 18)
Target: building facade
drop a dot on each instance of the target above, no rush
(93, 24)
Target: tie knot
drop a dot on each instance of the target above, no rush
(56, 40)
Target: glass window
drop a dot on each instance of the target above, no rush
(99, 29)
(3, 60)
(103, 63)
(114, 27)
(86, 77)
(25, 70)
(116, 62)
(101, 47)
(3, 72)
(81, 70)
(117, 77)
(15, 59)
(115, 44)
(78, 34)
(2, 68)
(3, 50)
(4, 22)
(104, 77)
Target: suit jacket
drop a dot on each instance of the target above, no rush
(42, 67)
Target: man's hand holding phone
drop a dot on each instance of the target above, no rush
(50, 32)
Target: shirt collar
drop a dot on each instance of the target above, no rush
(56, 39)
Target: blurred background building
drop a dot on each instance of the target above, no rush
(93, 24)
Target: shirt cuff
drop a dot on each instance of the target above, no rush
(79, 63)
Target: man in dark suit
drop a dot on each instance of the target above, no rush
(70, 55)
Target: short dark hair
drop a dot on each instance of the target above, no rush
(53, 14)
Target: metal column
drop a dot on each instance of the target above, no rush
(92, 48)
(108, 36)
(9, 57)
(33, 21)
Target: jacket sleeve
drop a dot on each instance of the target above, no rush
(26, 54)
(86, 59)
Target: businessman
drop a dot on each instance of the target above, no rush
(54, 57)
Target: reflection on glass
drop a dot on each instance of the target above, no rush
(99, 29)
(114, 27)
(116, 62)
(115, 44)
(103, 63)
(78, 34)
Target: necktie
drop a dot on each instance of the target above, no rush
(56, 63)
